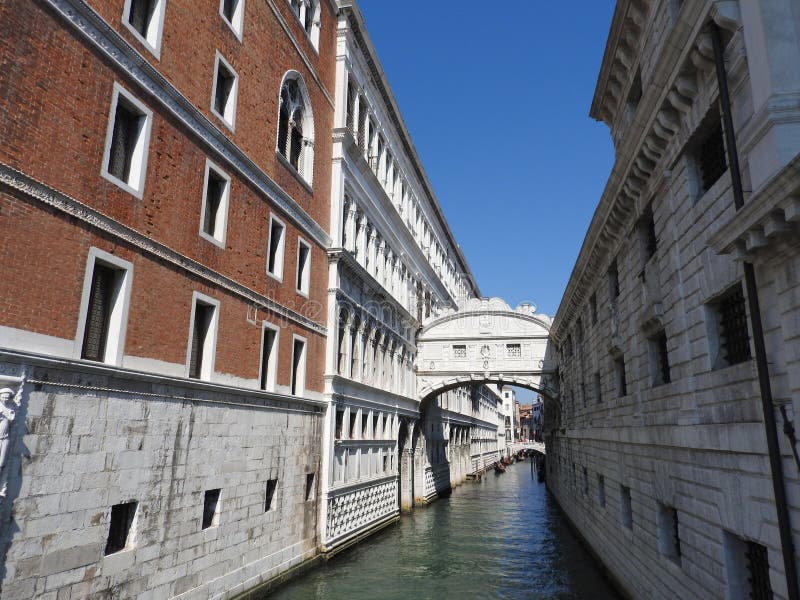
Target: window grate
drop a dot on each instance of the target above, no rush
(758, 571)
(711, 158)
(734, 338)
(514, 351)
(98, 316)
(459, 352)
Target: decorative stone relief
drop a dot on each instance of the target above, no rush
(10, 404)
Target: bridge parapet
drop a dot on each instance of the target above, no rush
(484, 341)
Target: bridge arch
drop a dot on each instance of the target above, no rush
(484, 341)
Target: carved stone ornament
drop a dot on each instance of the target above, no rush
(10, 403)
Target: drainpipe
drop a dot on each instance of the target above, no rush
(770, 427)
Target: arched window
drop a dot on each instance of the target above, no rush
(296, 126)
(308, 13)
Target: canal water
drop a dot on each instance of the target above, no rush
(501, 537)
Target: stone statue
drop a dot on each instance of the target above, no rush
(9, 402)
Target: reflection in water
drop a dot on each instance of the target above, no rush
(502, 537)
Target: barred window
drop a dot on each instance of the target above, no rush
(613, 281)
(459, 352)
(127, 139)
(729, 324)
(514, 350)
(711, 158)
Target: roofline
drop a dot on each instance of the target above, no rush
(356, 18)
(609, 55)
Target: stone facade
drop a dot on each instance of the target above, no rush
(656, 446)
(393, 264)
(161, 212)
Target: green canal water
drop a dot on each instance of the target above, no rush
(501, 537)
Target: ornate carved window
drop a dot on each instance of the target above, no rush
(296, 127)
(459, 351)
(514, 350)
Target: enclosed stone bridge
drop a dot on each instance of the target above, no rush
(485, 341)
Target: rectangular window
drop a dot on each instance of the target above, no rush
(646, 232)
(269, 357)
(619, 373)
(211, 508)
(298, 366)
(598, 388)
(593, 308)
(353, 427)
(710, 156)
(277, 232)
(303, 267)
(225, 89)
(459, 352)
(601, 491)
(232, 12)
(727, 324)
(626, 507)
(145, 19)
(339, 423)
(98, 317)
(365, 433)
(106, 295)
(202, 338)
(659, 359)
(269, 494)
(613, 281)
(669, 541)
(309, 486)
(121, 527)
(585, 481)
(127, 139)
(214, 211)
(747, 568)
(514, 350)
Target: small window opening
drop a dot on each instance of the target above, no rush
(298, 367)
(613, 281)
(303, 270)
(121, 527)
(201, 331)
(275, 254)
(593, 308)
(339, 423)
(268, 354)
(309, 486)
(669, 541)
(103, 297)
(659, 359)
(269, 495)
(225, 93)
(619, 371)
(601, 491)
(211, 508)
(626, 509)
(597, 388)
(214, 208)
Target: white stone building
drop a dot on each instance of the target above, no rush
(393, 263)
(658, 446)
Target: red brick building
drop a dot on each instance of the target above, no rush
(165, 173)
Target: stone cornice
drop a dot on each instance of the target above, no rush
(350, 9)
(772, 213)
(393, 225)
(40, 193)
(249, 397)
(657, 121)
(103, 39)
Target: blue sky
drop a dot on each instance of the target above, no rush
(496, 98)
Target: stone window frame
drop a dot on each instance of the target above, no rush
(118, 322)
(303, 278)
(210, 344)
(271, 379)
(228, 115)
(236, 23)
(297, 374)
(151, 40)
(221, 226)
(280, 252)
(136, 179)
(129, 525)
(713, 327)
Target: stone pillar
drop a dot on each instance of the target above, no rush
(406, 482)
(361, 239)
